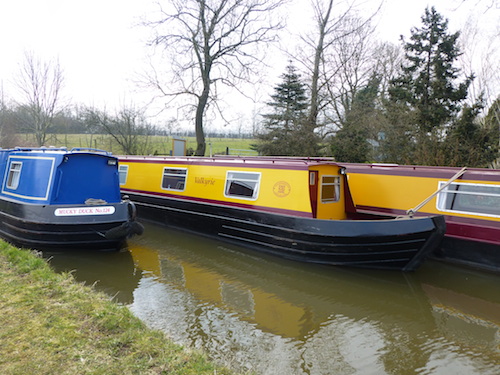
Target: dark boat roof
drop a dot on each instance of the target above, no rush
(246, 161)
(482, 174)
(57, 150)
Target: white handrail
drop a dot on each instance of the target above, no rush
(412, 211)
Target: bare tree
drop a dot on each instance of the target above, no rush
(329, 53)
(212, 42)
(326, 23)
(128, 128)
(489, 4)
(40, 84)
(481, 53)
(387, 59)
(7, 124)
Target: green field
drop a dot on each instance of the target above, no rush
(160, 145)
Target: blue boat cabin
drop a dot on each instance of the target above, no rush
(58, 176)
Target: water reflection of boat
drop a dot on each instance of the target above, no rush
(463, 305)
(296, 208)
(220, 298)
(279, 297)
(273, 316)
(290, 302)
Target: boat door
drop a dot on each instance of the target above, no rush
(313, 191)
(328, 200)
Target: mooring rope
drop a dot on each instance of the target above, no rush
(412, 211)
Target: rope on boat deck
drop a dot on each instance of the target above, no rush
(412, 211)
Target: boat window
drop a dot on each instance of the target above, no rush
(14, 174)
(330, 189)
(479, 199)
(122, 174)
(174, 179)
(242, 185)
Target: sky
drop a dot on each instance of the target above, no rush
(102, 50)
(96, 43)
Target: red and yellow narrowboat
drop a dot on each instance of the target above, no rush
(469, 198)
(296, 208)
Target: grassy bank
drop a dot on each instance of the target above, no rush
(50, 324)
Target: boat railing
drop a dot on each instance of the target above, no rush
(237, 158)
(90, 149)
(42, 149)
(60, 149)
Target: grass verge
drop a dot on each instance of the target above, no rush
(50, 324)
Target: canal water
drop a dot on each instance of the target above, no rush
(261, 314)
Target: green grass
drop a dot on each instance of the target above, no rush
(161, 145)
(50, 324)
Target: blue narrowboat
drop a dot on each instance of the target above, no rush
(53, 199)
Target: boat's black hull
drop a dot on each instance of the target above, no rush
(37, 227)
(380, 244)
(473, 243)
(473, 254)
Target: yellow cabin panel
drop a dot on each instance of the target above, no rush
(398, 192)
(403, 192)
(278, 188)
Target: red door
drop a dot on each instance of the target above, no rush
(313, 191)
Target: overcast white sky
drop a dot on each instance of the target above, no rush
(100, 49)
(96, 43)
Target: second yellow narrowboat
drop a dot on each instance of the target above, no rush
(469, 199)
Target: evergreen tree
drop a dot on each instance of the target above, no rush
(472, 141)
(427, 88)
(492, 121)
(284, 131)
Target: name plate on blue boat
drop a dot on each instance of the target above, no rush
(82, 211)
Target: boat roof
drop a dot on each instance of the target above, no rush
(247, 161)
(485, 174)
(57, 150)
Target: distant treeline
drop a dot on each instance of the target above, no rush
(71, 122)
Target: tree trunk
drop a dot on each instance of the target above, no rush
(200, 109)
(313, 110)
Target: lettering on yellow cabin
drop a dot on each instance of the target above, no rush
(204, 181)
